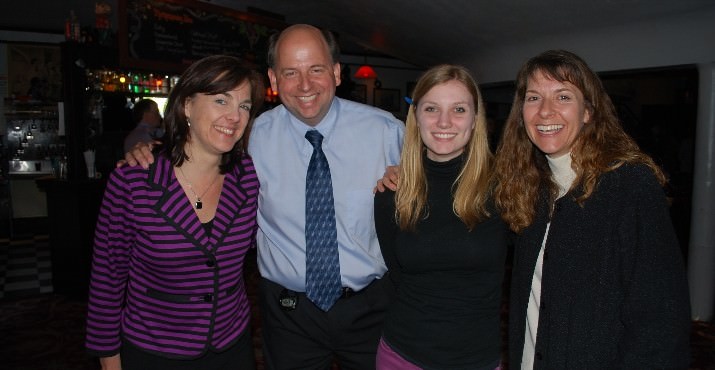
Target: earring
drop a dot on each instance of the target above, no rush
(188, 123)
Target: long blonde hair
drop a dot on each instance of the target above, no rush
(473, 181)
(522, 171)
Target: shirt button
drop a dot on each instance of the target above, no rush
(210, 263)
(208, 298)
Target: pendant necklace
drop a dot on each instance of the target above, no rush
(198, 204)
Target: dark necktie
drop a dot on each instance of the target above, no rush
(322, 265)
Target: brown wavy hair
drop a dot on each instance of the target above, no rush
(472, 184)
(521, 169)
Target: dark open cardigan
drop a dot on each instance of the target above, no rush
(614, 292)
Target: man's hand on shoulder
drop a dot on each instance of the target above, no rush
(389, 180)
(140, 154)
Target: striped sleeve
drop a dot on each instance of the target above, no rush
(114, 236)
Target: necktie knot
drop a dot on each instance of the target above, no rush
(315, 138)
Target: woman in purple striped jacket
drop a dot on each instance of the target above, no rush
(167, 288)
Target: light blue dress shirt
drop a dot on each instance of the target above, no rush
(359, 142)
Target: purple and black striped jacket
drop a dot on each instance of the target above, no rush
(158, 279)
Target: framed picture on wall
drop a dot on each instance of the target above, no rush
(359, 93)
(34, 72)
(387, 99)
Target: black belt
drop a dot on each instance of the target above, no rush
(347, 292)
(288, 299)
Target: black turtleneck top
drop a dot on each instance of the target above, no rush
(445, 312)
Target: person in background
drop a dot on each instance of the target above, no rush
(304, 327)
(598, 278)
(442, 239)
(147, 120)
(167, 288)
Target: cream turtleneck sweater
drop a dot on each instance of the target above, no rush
(564, 176)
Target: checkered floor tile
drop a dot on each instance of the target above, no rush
(25, 266)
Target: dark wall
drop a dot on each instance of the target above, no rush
(49, 16)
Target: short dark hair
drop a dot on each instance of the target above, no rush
(141, 107)
(211, 75)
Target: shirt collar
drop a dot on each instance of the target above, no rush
(325, 127)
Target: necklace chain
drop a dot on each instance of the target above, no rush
(198, 204)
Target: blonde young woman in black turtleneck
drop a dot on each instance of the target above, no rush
(442, 240)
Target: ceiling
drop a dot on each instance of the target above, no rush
(427, 32)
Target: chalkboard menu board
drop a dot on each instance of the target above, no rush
(169, 35)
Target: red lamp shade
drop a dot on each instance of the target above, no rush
(365, 72)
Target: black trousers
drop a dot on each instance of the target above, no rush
(308, 338)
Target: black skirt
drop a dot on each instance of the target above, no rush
(239, 356)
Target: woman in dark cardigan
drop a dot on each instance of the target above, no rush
(598, 279)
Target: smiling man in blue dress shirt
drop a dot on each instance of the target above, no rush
(359, 142)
